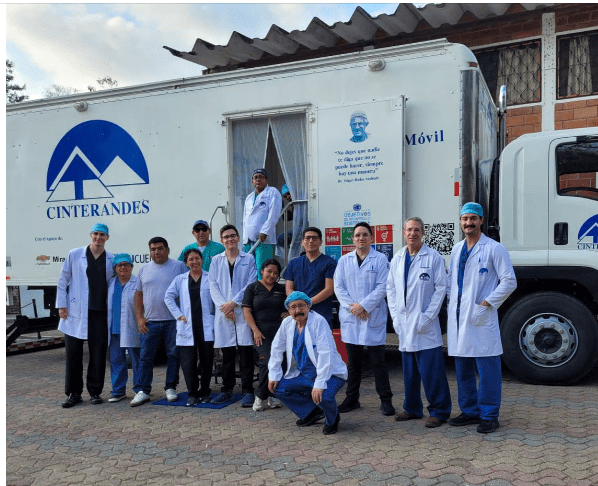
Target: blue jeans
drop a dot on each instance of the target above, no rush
(426, 366)
(118, 366)
(149, 345)
(482, 401)
(295, 393)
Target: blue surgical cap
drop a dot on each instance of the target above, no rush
(296, 295)
(100, 228)
(284, 189)
(472, 208)
(122, 258)
(260, 171)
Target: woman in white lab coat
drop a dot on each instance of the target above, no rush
(195, 325)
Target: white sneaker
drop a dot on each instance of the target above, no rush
(139, 399)
(171, 395)
(258, 404)
(274, 402)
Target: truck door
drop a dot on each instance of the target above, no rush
(573, 202)
(359, 173)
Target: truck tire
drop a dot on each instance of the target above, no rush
(549, 338)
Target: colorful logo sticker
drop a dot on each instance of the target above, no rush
(332, 236)
(386, 249)
(347, 249)
(587, 238)
(383, 233)
(347, 236)
(333, 251)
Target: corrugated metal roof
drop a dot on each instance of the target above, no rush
(360, 28)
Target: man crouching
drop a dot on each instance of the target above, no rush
(316, 371)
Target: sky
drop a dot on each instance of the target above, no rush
(75, 44)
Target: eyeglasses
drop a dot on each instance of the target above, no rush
(229, 237)
(311, 238)
(297, 306)
(201, 228)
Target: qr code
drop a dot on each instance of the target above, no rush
(440, 236)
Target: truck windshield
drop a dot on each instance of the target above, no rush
(577, 167)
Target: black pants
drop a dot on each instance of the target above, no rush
(355, 353)
(229, 356)
(204, 350)
(269, 331)
(97, 343)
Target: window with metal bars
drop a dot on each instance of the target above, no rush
(578, 65)
(515, 65)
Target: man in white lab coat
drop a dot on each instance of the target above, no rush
(230, 274)
(360, 287)
(315, 370)
(416, 288)
(81, 299)
(481, 278)
(260, 215)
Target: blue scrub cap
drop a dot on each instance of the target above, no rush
(472, 208)
(122, 258)
(260, 171)
(296, 295)
(284, 189)
(100, 228)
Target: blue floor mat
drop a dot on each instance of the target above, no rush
(182, 401)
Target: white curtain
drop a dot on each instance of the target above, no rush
(579, 81)
(289, 133)
(250, 139)
(518, 69)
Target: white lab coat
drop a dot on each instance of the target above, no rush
(129, 332)
(228, 333)
(261, 216)
(321, 350)
(74, 276)
(416, 319)
(179, 290)
(366, 285)
(488, 276)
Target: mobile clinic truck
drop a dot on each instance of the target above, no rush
(375, 136)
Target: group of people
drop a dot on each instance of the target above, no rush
(215, 296)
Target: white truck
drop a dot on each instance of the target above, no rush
(375, 136)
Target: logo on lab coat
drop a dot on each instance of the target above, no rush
(91, 159)
(424, 276)
(483, 271)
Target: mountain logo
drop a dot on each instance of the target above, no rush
(91, 158)
(587, 237)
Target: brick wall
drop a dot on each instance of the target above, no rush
(576, 114)
(527, 119)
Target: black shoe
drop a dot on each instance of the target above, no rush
(488, 426)
(331, 429)
(314, 416)
(192, 402)
(348, 405)
(205, 399)
(96, 400)
(387, 409)
(72, 400)
(463, 419)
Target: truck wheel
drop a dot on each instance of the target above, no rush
(549, 338)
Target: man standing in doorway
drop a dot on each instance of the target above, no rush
(262, 210)
(481, 278)
(155, 320)
(202, 233)
(82, 302)
(313, 274)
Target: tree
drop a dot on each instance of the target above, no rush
(105, 83)
(13, 90)
(57, 90)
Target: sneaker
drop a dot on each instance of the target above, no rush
(404, 416)
(314, 416)
(247, 400)
(488, 426)
(96, 399)
(72, 400)
(116, 398)
(463, 419)
(387, 409)
(222, 398)
(171, 395)
(348, 405)
(205, 399)
(258, 404)
(274, 402)
(192, 402)
(139, 399)
(331, 429)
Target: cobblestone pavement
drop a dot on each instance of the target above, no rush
(548, 436)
